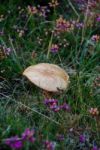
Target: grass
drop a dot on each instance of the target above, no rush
(21, 103)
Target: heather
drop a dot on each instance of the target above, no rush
(65, 33)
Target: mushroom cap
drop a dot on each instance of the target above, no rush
(47, 76)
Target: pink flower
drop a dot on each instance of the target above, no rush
(53, 3)
(95, 148)
(51, 101)
(28, 135)
(43, 10)
(49, 145)
(98, 19)
(14, 142)
(52, 104)
(32, 9)
(95, 38)
(94, 111)
(6, 50)
(66, 107)
(82, 138)
(55, 108)
(54, 48)
(63, 26)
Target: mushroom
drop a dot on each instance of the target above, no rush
(48, 77)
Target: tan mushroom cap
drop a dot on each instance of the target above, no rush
(47, 76)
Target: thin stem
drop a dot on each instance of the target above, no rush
(60, 59)
(27, 21)
(73, 8)
(85, 20)
(8, 139)
(49, 47)
(21, 104)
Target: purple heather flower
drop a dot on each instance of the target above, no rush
(1, 33)
(49, 145)
(28, 135)
(62, 25)
(52, 104)
(32, 9)
(79, 25)
(65, 106)
(14, 142)
(82, 4)
(54, 48)
(82, 138)
(95, 38)
(55, 108)
(51, 101)
(98, 19)
(60, 137)
(43, 10)
(95, 148)
(7, 51)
